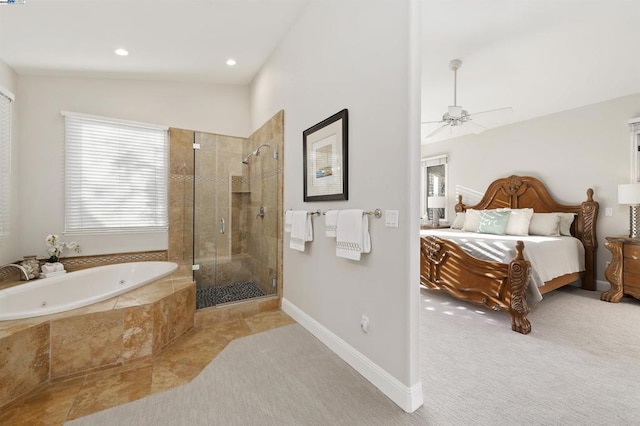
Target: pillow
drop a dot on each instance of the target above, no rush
(471, 220)
(518, 221)
(459, 221)
(566, 219)
(493, 222)
(547, 224)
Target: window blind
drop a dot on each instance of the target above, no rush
(115, 176)
(5, 161)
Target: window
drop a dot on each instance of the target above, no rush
(6, 98)
(634, 124)
(434, 188)
(115, 176)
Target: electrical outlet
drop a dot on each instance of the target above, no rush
(364, 324)
(608, 211)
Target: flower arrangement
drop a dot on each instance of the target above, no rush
(55, 247)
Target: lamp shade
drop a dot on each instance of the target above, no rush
(436, 202)
(629, 193)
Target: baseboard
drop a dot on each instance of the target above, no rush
(409, 398)
(602, 285)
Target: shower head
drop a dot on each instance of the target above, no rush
(256, 152)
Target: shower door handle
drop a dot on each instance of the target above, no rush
(221, 226)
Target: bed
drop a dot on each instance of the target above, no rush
(502, 285)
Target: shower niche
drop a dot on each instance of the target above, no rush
(228, 224)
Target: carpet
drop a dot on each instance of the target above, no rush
(284, 376)
(580, 365)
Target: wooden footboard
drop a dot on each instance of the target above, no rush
(445, 266)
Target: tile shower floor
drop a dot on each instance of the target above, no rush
(212, 296)
(55, 403)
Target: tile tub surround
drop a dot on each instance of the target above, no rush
(11, 276)
(133, 326)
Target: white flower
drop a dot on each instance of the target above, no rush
(55, 246)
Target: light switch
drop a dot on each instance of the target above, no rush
(608, 211)
(391, 218)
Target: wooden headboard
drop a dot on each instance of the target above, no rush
(519, 192)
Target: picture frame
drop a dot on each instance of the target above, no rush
(325, 159)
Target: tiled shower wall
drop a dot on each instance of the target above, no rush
(264, 239)
(181, 195)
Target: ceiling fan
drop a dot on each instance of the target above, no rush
(456, 115)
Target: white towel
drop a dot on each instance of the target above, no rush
(352, 234)
(53, 274)
(288, 218)
(301, 230)
(48, 268)
(331, 223)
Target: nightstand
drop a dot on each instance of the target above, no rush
(624, 270)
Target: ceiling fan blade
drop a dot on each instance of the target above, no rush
(479, 128)
(505, 109)
(431, 122)
(436, 131)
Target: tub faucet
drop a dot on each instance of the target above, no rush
(15, 265)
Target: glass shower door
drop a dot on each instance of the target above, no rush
(235, 227)
(205, 226)
(233, 271)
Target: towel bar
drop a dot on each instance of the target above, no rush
(316, 213)
(376, 213)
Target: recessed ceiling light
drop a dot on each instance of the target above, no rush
(231, 62)
(121, 52)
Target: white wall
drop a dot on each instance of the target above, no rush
(587, 147)
(205, 107)
(355, 55)
(9, 80)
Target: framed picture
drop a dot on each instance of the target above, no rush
(325, 159)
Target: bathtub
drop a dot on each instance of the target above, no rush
(76, 289)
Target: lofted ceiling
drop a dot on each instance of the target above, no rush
(537, 56)
(167, 39)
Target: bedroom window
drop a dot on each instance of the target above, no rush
(434, 189)
(634, 125)
(6, 99)
(115, 176)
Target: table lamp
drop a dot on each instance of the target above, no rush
(629, 193)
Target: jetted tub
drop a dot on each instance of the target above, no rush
(80, 288)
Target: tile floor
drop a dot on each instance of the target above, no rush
(55, 403)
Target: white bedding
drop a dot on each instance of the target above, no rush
(550, 257)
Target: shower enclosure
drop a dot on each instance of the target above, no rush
(235, 219)
(225, 197)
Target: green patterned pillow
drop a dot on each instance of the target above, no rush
(493, 222)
